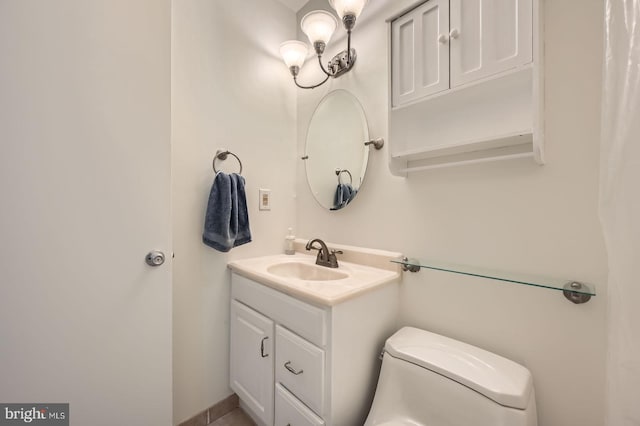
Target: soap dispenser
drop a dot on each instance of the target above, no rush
(288, 243)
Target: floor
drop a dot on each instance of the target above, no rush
(235, 418)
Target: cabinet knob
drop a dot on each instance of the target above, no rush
(443, 38)
(454, 33)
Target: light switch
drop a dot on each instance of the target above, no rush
(265, 199)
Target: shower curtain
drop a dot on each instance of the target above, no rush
(620, 207)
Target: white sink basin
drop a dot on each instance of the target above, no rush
(299, 276)
(306, 271)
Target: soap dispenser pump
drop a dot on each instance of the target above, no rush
(288, 243)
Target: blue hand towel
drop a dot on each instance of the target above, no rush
(343, 196)
(226, 222)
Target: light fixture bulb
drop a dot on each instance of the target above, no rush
(348, 7)
(319, 26)
(294, 53)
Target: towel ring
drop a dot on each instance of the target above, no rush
(339, 173)
(222, 155)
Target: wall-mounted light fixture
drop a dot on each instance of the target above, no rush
(319, 26)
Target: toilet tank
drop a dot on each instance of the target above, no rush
(431, 380)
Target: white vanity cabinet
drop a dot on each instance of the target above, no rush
(465, 77)
(299, 363)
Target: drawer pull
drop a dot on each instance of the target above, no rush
(262, 354)
(287, 365)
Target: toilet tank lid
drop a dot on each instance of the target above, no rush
(502, 380)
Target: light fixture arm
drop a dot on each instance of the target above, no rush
(349, 49)
(294, 72)
(349, 21)
(310, 87)
(324, 70)
(319, 47)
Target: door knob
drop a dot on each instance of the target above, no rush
(155, 258)
(454, 33)
(443, 38)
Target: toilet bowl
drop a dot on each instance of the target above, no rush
(431, 380)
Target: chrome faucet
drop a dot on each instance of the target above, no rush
(325, 257)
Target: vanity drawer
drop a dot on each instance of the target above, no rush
(306, 320)
(300, 368)
(290, 411)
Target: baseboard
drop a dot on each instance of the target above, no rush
(248, 412)
(213, 413)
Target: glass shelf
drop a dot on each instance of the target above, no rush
(574, 291)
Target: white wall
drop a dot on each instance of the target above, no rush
(508, 215)
(231, 90)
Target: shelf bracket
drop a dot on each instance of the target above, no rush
(571, 293)
(406, 267)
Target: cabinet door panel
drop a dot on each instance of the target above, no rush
(252, 371)
(420, 52)
(489, 37)
(468, 46)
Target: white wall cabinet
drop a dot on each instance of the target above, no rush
(465, 83)
(447, 43)
(297, 363)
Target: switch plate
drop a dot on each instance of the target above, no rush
(264, 201)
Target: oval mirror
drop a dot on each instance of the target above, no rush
(336, 156)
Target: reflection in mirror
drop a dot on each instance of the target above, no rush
(336, 156)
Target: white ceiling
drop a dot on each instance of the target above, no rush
(294, 5)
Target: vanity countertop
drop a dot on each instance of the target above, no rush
(375, 271)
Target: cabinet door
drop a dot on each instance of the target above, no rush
(420, 52)
(488, 37)
(252, 370)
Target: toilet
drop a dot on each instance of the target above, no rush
(431, 380)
